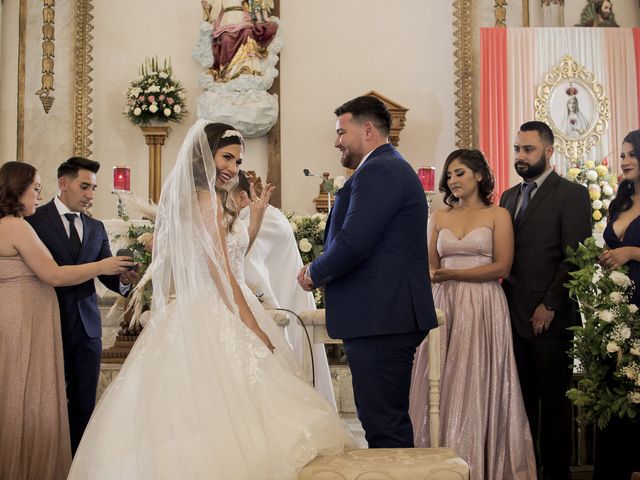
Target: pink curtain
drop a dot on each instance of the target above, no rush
(494, 120)
(636, 42)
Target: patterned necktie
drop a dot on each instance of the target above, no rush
(526, 198)
(74, 238)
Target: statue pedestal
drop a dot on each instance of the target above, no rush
(155, 137)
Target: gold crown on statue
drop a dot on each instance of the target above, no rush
(571, 91)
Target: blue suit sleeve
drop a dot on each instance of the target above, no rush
(376, 196)
(112, 282)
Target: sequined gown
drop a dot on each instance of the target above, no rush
(482, 415)
(200, 397)
(34, 430)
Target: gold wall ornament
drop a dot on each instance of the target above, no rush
(463, 55)
(500, 13)
(82, 79)
(48, 50)
(574, 104)
(398, 116)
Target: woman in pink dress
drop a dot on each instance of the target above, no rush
(482, 415)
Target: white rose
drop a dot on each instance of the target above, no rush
(594, 187)
(606, 203)
(294, 226)
(625, 332)
(317, 215)
(592, 175)
(629, 372)
(322, 226)
(167, 112)
(620, 279)
(612, 347)
(137, 111)
(634, 397)
(616, 297)
(635, 351)
(633, 308)
(339, 181)
(606, 316)
(596, 204)
(607, 190)
(597, 274)
(600, 226)
(305, 245)
(177, 109)
(153, 108)
(163, 75)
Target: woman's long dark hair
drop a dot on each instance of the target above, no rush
(15, 178)
(474, 160)
(624, 197)
(215, 132)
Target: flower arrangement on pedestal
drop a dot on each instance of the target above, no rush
(602, 186)
(155, 96)
(309, 233)
(607, 345)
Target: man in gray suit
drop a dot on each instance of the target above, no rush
(550, 213)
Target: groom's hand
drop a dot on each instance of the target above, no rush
(304, 279)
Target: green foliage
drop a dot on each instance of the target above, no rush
(607, 345)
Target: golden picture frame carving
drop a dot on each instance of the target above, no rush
(575, 105)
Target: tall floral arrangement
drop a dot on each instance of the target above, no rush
(607, 345)
(602, 186)
(155, 95)
(309, 234)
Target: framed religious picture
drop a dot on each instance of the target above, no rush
(575, 105)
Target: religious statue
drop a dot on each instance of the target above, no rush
(238, 48)
(598, 13)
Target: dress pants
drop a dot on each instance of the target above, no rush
(381, 373)
(82, 356)
(544, 369)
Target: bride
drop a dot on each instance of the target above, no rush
(210, 389)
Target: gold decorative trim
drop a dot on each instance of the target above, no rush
(82, 80)
(500, 13)
(22, 38)
(48, 50)
(525, 13)
(581, 133)
(463, 55)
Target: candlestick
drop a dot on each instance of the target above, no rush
(121, 184)
(427, 176)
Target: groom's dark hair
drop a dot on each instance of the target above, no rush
(545, 132)
(368, 108)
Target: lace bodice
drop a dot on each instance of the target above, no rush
(237, 244)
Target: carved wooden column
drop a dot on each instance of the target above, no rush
(155, 137)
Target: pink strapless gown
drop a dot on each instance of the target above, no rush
(482, 415)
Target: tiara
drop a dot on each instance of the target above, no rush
(231, 133)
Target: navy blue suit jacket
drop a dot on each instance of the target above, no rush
(374, 266)
(77, 301)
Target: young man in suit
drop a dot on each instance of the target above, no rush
(375, 271)
(73, 238)
(550, 214)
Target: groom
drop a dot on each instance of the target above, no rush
(375, 271)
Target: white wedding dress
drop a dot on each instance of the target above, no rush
(200, 396)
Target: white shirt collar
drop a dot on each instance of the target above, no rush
(61, 207)
(364, 158)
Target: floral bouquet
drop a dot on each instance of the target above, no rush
(309, 233)
(607, 345)
(602, 186)
(155, 95)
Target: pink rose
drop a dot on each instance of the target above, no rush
(161, 97)
(170, 101)
(151, 98)
(141, 98)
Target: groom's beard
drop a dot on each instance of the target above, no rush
(532, 171)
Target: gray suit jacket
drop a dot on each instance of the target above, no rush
(558, 216)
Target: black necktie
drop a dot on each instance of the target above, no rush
(526, 197)
(74, 238)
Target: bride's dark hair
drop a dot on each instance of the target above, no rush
(216, 138)
(477, 163)
(624, 196)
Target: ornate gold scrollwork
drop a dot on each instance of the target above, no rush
(500, 13)
(577, 129)
(48, 50)
(463, 73)
(82, 99)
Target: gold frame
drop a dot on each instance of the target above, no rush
(570, 70)
(82, 79)
(463, 62)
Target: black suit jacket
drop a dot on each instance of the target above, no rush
(558, 216)
(77, 300)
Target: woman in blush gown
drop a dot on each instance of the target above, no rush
(616, 454)
(208, 390)
(34, 428)
(482, 415)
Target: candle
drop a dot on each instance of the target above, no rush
(427, 176)
(122, 178)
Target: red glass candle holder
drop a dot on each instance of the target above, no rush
(427, 176)
(122, 178)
